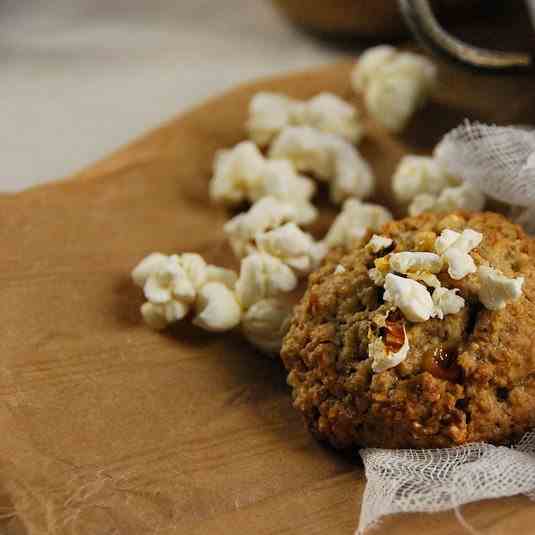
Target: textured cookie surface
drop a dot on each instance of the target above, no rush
(469, 377)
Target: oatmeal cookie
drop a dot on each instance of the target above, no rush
(467, 377)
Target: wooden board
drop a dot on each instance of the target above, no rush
(108, 427)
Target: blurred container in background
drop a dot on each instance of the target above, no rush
(374, 19)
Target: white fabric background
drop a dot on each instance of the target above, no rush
(80, 78)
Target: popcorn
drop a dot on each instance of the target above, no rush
(447, 302)
(195, 268)
(170, 286)
(408, 261)
(174, 284)
(236, 172)
(263, 276)
(395, 84)
(354, 221)
(392, 101)
(464, 197)
(242, 173)
(270, 113)
(279, 180)
(159, 316)
(169, 282)
(370, 62)
(328, 157)
(265, 324)
(429, 279)
(339, 269)
(382, 359)
(455, 247)
(424, 202)
(496, 289)
(265, 214)
(308, 149)
(378, 243)
(353, 176)
(217, 308)
(460, 264)
(151, 263)
(331, 114)
(417, 175)
(468, 240)
(222, 275)
(446, 239)
(411, 297)
(292, 246)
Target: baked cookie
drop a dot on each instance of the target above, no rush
(371, 364)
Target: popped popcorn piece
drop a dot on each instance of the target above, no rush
(151, 263)
(468, 240)
(243, 174)
(170, 282)
(446, 239)
(173, 284)
(308, 149)
(339, 269)
(395, 84)
(371, 61)
(455, 250)
(265, 214)
(447, 302)
(467, 197)
(236, 172)
(409, 261)
(411, 297)
(292, 246)
(217, 308)
(429, 279)
(195, 268)
(263, 276)
(424, 202)
(464, 197)
(417, 175)
(354, 177)
(378, 243)
(279, 180)
(496, 289)
(269, 113)
(159, 316)
(382, 358)
(331, 114)
(265, 324)
(328, 157)
(228, 277)
(459, 264)
(354, 221)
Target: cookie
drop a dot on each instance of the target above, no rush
(467, 377)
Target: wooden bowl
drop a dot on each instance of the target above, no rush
(364, 18)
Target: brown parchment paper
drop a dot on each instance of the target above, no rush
(109, 428)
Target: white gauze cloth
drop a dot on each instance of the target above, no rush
(501, 162)
(408, 481)
(498, 160)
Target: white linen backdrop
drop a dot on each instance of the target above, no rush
(82, 77)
